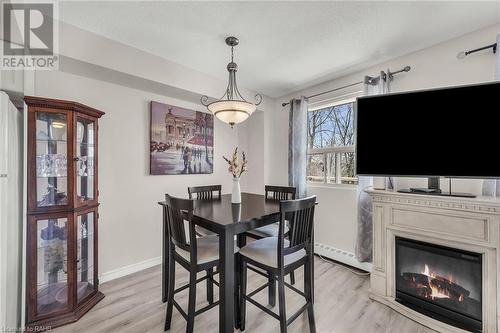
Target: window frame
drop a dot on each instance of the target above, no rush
(337, 151)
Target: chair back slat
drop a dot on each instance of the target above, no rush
(177, 211)
(208, 192)
(300, 215)
(280, 193)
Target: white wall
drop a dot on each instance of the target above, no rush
(436, 66)
(251, 141)
(130, 219)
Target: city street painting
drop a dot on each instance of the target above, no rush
(182, 141)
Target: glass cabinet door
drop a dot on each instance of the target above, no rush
(85, 160)
(85, 227)
(51, 159)
(52, 282)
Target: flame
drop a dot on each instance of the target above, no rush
(426, 270)
(435, 292)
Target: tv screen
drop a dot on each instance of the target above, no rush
(453, 132)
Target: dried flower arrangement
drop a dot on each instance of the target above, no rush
(235, 168)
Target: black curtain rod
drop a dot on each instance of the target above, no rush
(391, 74)
(464, 54)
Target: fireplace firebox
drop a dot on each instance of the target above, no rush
(440, 282)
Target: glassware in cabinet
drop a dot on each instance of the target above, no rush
(85, 156)
(51, 159)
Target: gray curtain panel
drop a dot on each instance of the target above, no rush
(491, 187)
(372, 86)
(297, 145)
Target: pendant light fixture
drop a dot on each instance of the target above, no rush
(232, 108)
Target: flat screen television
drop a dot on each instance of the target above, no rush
(450, 132)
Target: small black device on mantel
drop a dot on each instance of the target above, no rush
(447, 132)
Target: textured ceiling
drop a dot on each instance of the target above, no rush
(284, 46)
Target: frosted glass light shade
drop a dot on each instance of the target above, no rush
(232, 112)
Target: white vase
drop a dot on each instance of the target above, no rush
(236, 195)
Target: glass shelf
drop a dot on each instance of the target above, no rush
(42, 248)
(41, 285)
(90, 268)
(90, 236)
(85, 176)
(60, 203)
(56, 296)
(52, 140)
(52, 298)
(43, 177)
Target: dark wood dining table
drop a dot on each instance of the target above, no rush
(227, 220)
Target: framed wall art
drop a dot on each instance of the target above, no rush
(181, 140)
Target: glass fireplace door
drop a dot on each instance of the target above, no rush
(441, 282)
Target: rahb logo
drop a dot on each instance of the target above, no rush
(29, 35)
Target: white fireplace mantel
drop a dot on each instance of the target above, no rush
(470, 224)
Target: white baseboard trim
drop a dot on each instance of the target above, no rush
(130, 269)
(342, 256)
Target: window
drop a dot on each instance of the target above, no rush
(330, 142)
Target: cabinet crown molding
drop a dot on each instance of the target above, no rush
(59, 104)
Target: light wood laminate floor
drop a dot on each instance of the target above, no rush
(133, 305)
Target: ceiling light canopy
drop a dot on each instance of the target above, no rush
(232, 108)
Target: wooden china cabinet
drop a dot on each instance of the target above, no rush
(62, 283)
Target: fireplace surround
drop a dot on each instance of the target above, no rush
(435, 260)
